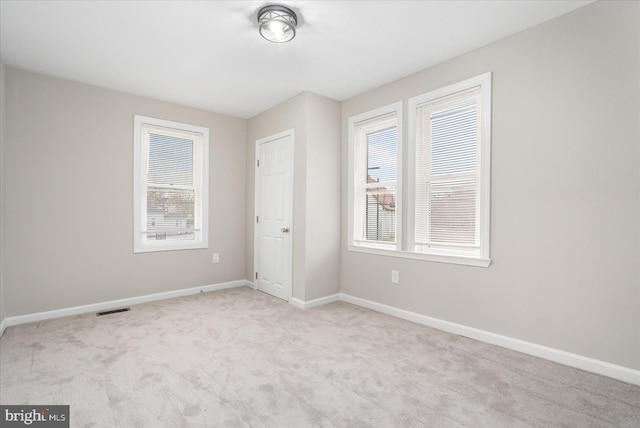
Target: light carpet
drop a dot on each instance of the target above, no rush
(241, 358)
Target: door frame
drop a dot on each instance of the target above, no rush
(256, 201)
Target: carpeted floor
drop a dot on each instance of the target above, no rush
(240, 358)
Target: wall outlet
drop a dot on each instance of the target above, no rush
(216, 257)
(395, 277)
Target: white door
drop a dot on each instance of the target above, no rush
(273, 227)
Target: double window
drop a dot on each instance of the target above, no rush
(170, 185)
(446, 199)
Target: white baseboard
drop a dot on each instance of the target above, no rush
(300, 304)
(112, 304)
(315, 302)
(604, 368)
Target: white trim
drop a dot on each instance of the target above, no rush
(96, 307)
(315, 302)
(201, 185)
(484, 81)
(256, 201)
(458, 260)
(395, 108)
(592, 365)
(300, 304)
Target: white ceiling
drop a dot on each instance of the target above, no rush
(208, 54)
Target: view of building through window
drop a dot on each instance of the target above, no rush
(170, 189)
(380, 206)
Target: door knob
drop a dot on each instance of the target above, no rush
(285, 230)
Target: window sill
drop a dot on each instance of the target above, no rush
(458, 260)
(172, 247)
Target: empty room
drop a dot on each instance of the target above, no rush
(320, 213)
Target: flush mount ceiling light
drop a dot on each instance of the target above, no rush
(277, 23)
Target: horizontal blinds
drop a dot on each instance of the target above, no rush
(171, 195)
(448, 173)
(170, 160)
(380, 214)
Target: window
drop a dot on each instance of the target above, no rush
(374, 188)
(171, 171)
(449, 171)
(446, 200)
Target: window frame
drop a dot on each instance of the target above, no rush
(354, 123)
(405, 235)
(482, 81)
(200, 137)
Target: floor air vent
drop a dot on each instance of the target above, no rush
(114, 311)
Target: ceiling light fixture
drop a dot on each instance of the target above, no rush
(277, 23)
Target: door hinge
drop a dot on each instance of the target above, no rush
(258, 162)
(256, 275)
(257, 219)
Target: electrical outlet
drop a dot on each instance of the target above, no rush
(395, 277)
(216, 257)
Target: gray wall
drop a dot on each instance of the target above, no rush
(316, 212)
(290, 114)
(2, 197)
(323, 197)
(565, 191)
(69, 208)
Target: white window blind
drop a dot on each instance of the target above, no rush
(171, 191)
(170, 185)
(446, 196)
(448, 174)
(376, 181)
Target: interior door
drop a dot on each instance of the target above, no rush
(273, 227)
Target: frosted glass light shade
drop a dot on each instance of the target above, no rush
(277, 23)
